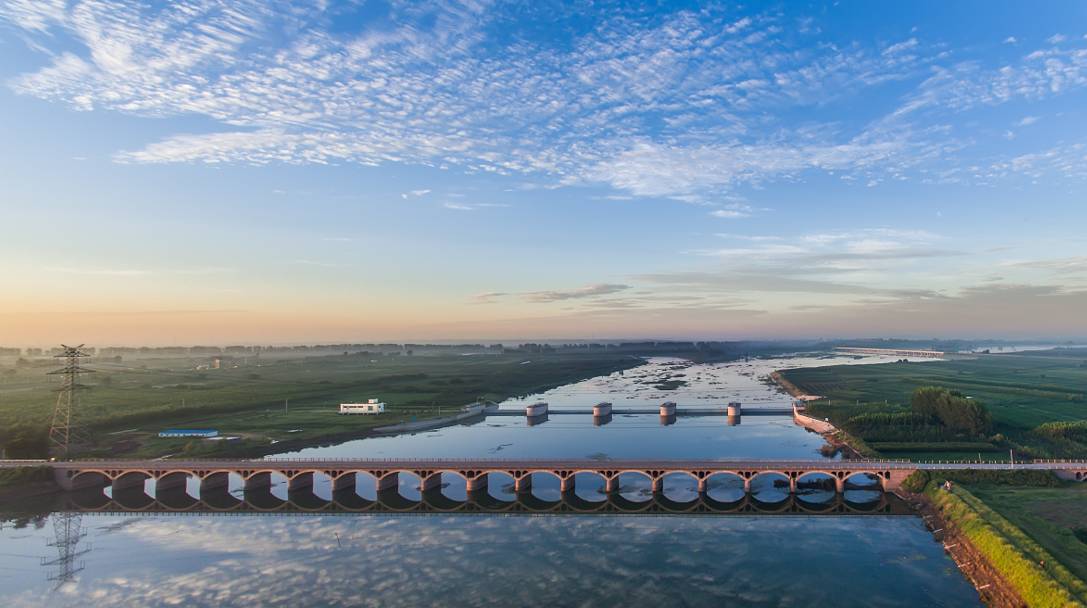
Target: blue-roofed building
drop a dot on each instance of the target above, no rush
(205, 433)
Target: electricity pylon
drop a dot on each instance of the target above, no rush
(65, 430)
(68, 531)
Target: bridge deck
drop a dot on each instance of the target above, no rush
(497, 464)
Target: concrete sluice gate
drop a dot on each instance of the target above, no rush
(453, 491)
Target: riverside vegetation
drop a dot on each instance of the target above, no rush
(1032, 403)
(290, 400)
(1014, 521)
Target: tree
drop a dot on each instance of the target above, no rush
(952, 409)
(26, 441)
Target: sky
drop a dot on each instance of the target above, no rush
(199, 171)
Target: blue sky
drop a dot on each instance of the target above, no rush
(285, 172)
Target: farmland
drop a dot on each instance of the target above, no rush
(1022, 391)
(288, 400)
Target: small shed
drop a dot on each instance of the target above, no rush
(372, 406)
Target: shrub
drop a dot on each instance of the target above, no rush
(1073, 431)
(953, 409)
(26, 441)
(916, 482)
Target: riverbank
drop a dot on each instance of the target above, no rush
(291, 404)
(26, 482)
(838, 441)
(1006, 566)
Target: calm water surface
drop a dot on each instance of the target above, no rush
(492, 560)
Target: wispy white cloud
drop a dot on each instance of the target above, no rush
(729, 213)
(589, 291)
(682, 107)
(456, 206)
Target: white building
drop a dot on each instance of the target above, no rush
(372, 406)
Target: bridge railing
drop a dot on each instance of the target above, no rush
(892, 463)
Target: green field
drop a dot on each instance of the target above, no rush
(1022, 391)
(1049, 516)
(1030, 550)
(128, 403)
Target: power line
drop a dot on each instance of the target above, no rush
(65, 430)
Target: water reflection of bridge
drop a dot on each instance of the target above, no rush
(860, 502)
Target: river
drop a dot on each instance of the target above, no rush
(512, 560)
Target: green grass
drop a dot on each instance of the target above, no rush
(129, 403)
(1012, 552)
(939, 447)
(1022, 391)
(1049, 516)
(15, 477)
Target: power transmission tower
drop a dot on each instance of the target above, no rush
(65, 430)
(68, 531)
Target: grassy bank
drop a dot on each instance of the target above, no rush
(1036, 575)
(1035, 400)
(286, 402)
(10, 478)
(1054, 517)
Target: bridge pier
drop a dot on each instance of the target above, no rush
(839, 484)
(478, 484)
(523, 484)
(170, 482)
(567, 485)
(431, 483)
(611, 485)
(703, 486)
(898, 476)
(214, 481)
(301, 481)
(536, 420)
(258, 481)
(345, 483)
(658, 485)
(792, 483)
(390, 481)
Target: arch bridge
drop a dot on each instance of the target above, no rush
(476, 473)
(121, 474)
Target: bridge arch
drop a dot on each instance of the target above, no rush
(816, 488)
(770, 487)
(633, 489)
(863, 487)
(400, 489)
(677, 489)
(590, 486)
(724, 488)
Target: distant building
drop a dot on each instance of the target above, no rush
(204, 433)
(372, 406)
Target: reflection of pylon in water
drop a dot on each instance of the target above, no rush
(68, 531)
(65, 430)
